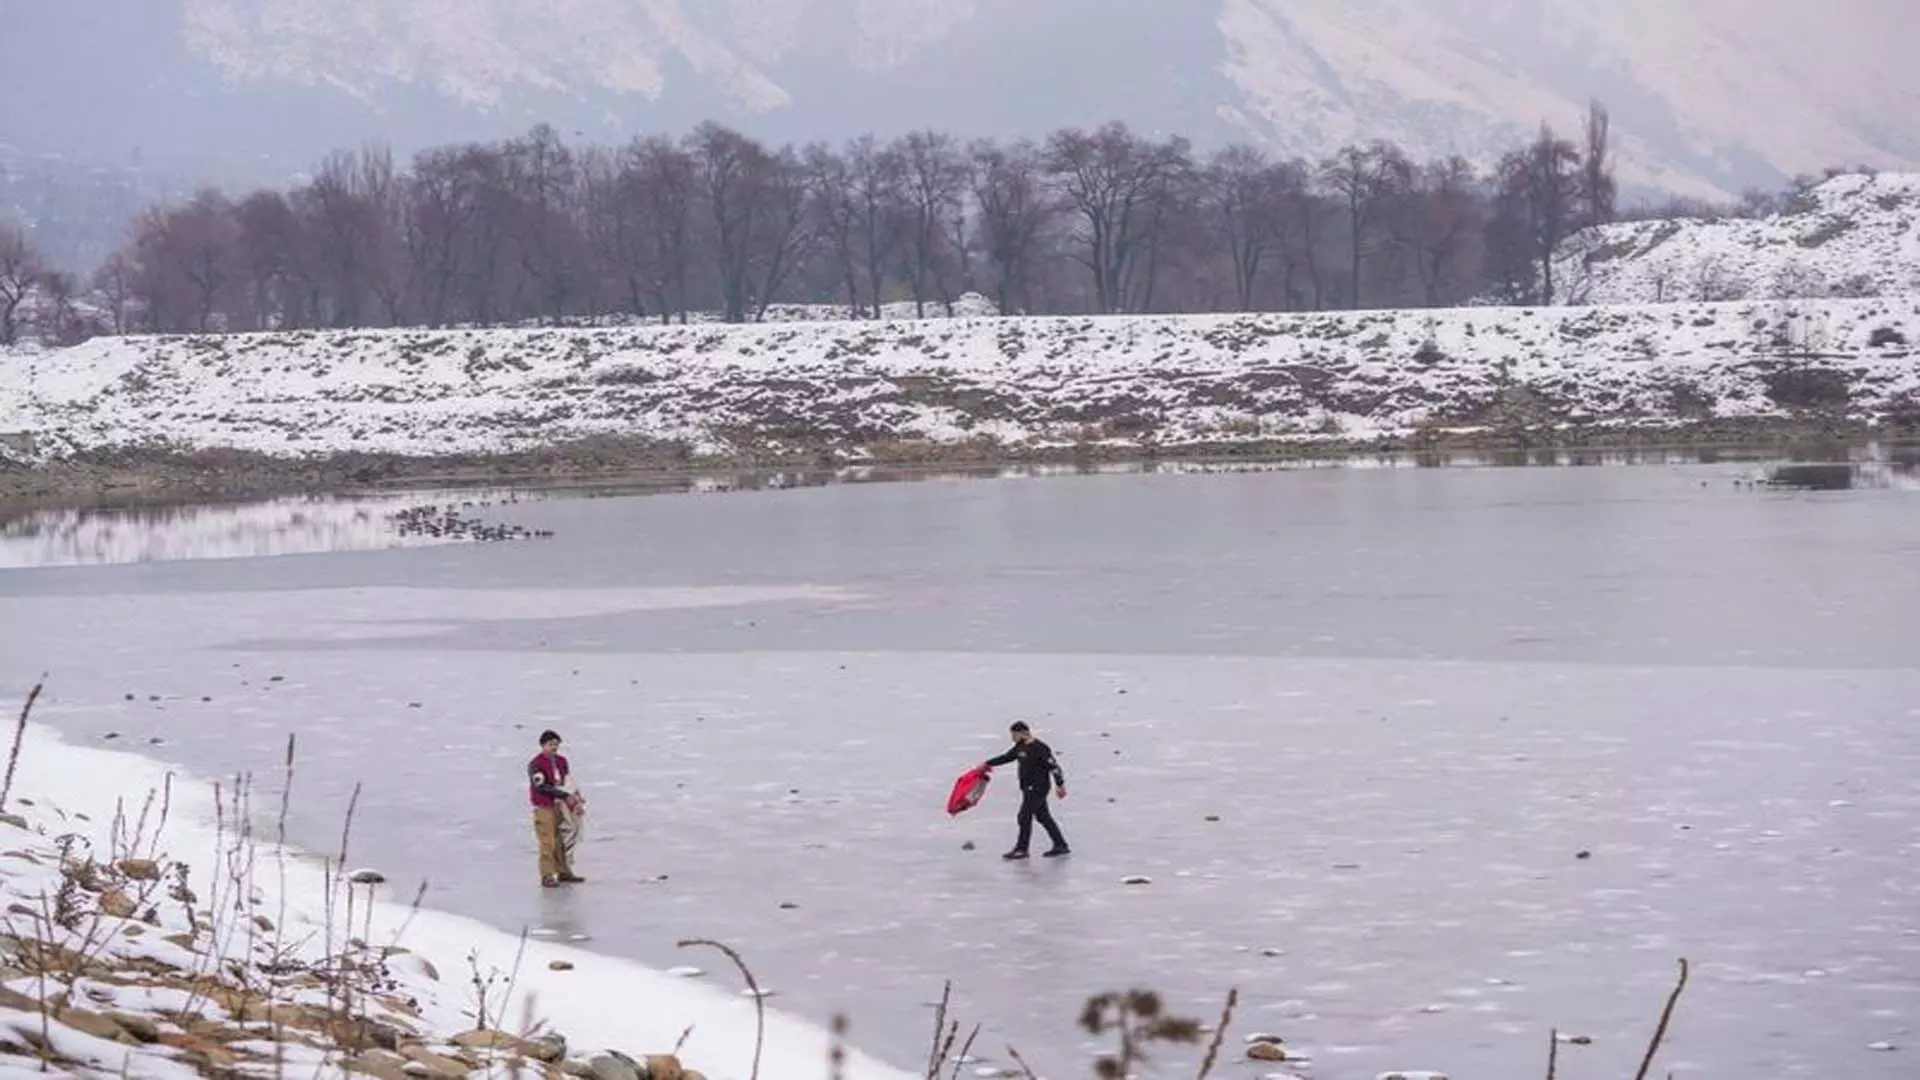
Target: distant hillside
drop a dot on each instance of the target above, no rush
(1708, 96)
(848, 388)
(1851, 236)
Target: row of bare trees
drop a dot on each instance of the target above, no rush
(535, 230)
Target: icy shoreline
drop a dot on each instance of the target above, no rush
(994, 387)
(146, 921)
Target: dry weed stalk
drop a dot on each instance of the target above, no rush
(1666, 1017)
(753, 986)
(19, 735)
(1219, 1034)
(1139, 1019)
(837, 1049)
(943, 1034)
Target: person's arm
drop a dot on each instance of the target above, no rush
(1007, 758)
(538, 780)
(1059, 774)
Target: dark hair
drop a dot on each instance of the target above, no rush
(1019, 726)
(549, 736)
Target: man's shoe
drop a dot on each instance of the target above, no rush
(549, 882)
(571, 879)
(1016, 853)
(1054, 853)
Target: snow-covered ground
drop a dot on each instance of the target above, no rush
(1020, 381)
(1855, 235)
(78, 803)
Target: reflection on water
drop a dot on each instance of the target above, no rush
(1845, 476)
(285, 526)
(371, 521)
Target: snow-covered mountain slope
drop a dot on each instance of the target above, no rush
(1708, 95)
(1022, 382)
(1854, 235)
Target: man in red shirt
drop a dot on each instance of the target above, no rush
(547, 780)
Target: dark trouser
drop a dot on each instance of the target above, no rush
(1033, 807)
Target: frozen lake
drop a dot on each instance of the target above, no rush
(1410, 698)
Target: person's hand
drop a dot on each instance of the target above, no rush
(1060, 791)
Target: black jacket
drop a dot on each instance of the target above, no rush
(1037, 765)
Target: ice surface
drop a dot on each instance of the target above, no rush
(1410, 698)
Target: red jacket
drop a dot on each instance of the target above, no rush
(545, 776)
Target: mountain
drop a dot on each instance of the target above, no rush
(1708, 96)
(1849, 236)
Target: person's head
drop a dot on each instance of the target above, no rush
(1021, 732)
(550, 742)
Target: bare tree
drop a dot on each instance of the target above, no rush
(1365, 178)
(274, 260)
(837, 217)
(542, 179)
(20, 269)
(936, 179)
(1538, 206)
(1241, 198)
(1598, 190)
(725, 164)
(59, 319)
(113, 287)
(781, 231)
(878, 199)
(1015, 208)
(1112, 180)
(1441, 227)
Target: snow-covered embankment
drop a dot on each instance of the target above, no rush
(154, 931)
(1017, 383)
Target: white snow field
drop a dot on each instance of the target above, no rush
(1166, 380)
(1854, 235)
(1355, 726)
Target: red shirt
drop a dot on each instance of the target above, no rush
(547, 771)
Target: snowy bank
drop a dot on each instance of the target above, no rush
(184, 943)
(1016, 382)
(1853, 235)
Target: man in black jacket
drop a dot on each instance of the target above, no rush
(1037, 767)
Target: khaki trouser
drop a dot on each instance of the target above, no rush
(546, 830)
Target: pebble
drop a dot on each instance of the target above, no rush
(1583, 854)
(367, 877)
(1273, 952)
(559, 965)
(1577, 1040)
(685, 972)
(968, 846)
(1882, 1047)
(1136, 879)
